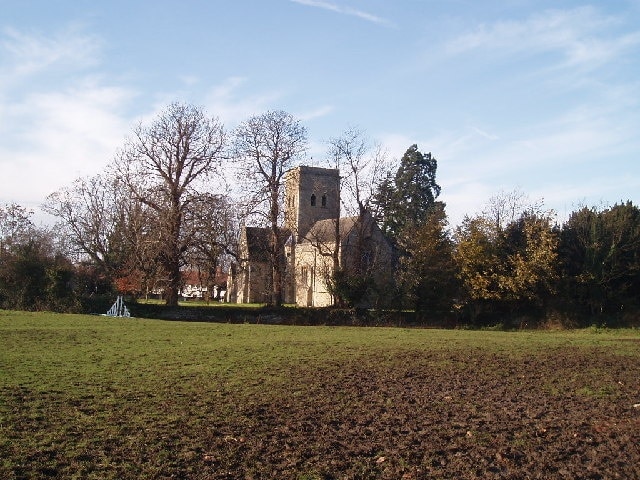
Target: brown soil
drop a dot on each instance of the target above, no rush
(560, 415)
(472, 416)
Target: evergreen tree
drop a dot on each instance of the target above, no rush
(600, 252)
(33, 275)
(428, 271)
(406, 209)
(410, 197)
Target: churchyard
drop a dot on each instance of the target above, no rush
(111, 398)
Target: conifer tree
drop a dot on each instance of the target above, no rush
(408, 198)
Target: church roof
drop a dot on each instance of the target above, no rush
(258, 240)
(324, 231)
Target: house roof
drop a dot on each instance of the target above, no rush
(194, 277)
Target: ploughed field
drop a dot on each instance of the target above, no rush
(96, 397)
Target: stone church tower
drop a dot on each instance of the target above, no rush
(311, 194)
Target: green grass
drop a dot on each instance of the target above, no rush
(79, 392)
(76, 352)
(201, 303)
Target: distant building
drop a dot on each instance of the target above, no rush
(317, 240)
(199, 285)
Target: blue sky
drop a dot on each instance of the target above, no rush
(540, 96)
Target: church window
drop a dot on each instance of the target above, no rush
(313, 200)
(324, 201)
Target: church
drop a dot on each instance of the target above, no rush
(317, 243)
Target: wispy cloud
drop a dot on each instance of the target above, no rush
(582, 36)
(344, 11)
(73, 133)
(29, 53)
(555, 157)
(316, 113)
(232, 104)
(60, 117)
(234, 101)
(485, 134)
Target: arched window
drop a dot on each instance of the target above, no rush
(313, 200)
(324, 201)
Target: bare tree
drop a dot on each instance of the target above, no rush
(506, 207)
(91, 213)
(362, 165)
(141, 233)
(215, 221)
(163, 166)
(108, 231)
(15, 225)
(267, 146)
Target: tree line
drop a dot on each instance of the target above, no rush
(181, 187)
(512, 263)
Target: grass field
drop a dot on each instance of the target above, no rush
(203, 303)
(99, 397)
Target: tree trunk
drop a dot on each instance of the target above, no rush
(276, 266)
(277, 284)
(172, 289)
(173, 254)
